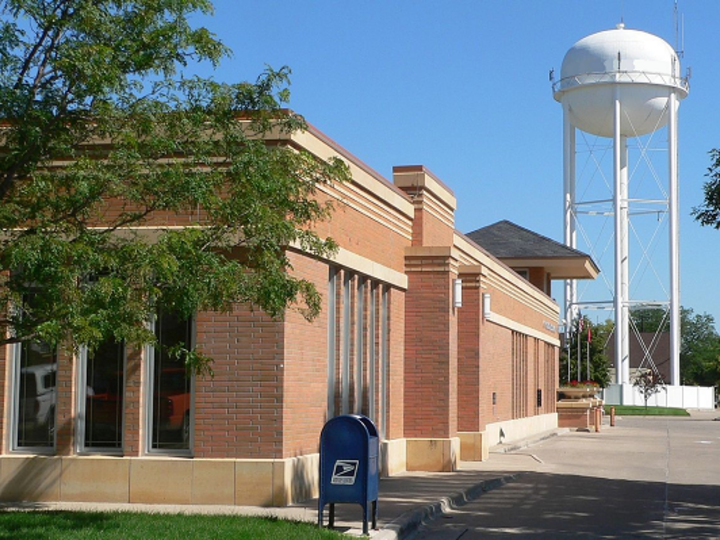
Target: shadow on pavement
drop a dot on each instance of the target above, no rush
(541, 505)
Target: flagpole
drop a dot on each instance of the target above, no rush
(569, 359)
(587, 361)
(589, 339)
(579, 372)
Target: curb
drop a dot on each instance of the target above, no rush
(519, 445)
(409, 522)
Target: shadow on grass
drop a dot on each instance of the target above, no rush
(41, 524)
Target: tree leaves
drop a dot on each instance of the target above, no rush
(128, 187)
(709, 212)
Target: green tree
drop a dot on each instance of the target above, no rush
(708, 213)
(105, 134)
(650, 319)
(699, 349)
(592, 342)
(649, 383)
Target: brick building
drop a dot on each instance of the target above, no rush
(440, 343)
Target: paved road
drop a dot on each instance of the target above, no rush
(644, 478)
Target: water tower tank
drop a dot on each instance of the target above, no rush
(639, 68)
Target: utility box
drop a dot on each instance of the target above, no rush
(349, 449)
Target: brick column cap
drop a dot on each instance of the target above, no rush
(418, 177)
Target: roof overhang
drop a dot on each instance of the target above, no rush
(576, 267)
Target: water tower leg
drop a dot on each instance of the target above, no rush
(570, 234)
(674, 243)
(620, 204)
(625, 283)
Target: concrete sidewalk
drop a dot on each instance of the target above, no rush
(405, 501)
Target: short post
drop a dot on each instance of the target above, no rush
(597, 419)
(612, 416)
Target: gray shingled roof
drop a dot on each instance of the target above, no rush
(506, 240)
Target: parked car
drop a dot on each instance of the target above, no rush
(38, 396)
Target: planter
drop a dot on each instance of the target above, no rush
(577, 392)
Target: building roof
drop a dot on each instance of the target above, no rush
(519, 247)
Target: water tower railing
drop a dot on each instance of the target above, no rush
(622, 77)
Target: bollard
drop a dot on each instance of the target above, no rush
(597, 419)
(612, 416)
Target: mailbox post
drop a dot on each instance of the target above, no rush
(349, 466)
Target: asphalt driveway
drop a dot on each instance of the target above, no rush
(647, 477)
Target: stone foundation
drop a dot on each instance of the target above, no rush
(278, 482)
(433, 455)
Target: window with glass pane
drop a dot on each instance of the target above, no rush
(36, 396)
(171, 386)
(104, 393)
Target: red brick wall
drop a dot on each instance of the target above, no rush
(428, 230)
(538, 277)
(305, 366)
(539, 365)
(238, 413)
(377, 241)
(495, 374)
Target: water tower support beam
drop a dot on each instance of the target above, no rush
(620, 203)
(674, 243)
(570, 235)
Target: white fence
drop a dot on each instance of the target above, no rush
(685, 397)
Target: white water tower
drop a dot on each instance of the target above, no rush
(622, 84)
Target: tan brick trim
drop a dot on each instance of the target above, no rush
(435, 207)
(430, 259)
(318, 144)
(372, 207)
(505, 322)
(367, 267)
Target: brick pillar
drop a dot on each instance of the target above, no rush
(132, 402)
(430, 345)
(469, 320)
(64, 397)
(5, 406)
(434, 220)
(431, 339)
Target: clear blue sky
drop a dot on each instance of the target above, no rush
(462, 87)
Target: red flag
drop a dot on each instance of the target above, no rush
(589, 334)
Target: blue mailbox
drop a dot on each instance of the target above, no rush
(349, 466)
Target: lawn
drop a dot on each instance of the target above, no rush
(41, 525)
(639, 410)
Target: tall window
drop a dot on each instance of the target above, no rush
(101, 387)
(170, 399)
(360, 362)
(35, 396)
(332, 340)
(358, 353)
(519, 375)
(384, 347)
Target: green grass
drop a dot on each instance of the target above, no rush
(41, 525)
(640, 410)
